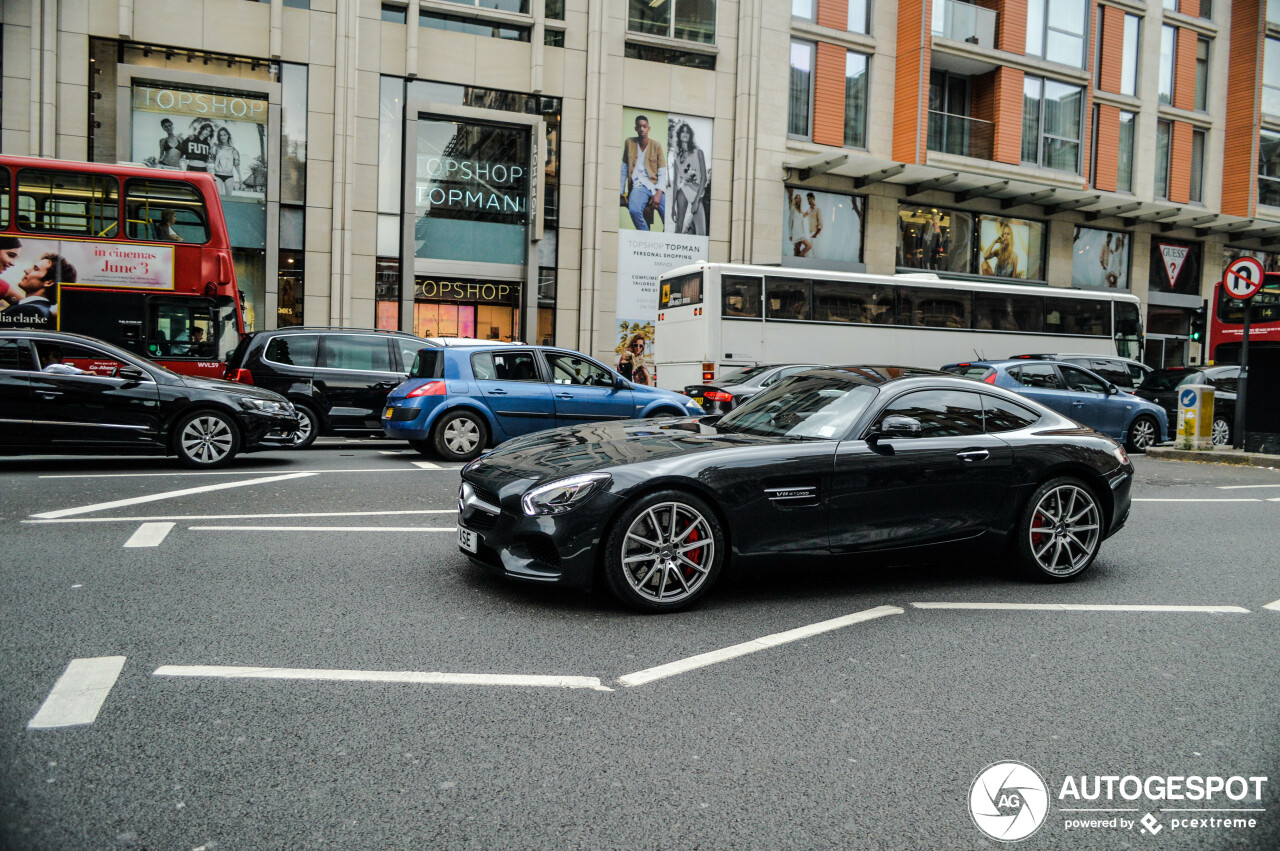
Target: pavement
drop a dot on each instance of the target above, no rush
(292, 653)
(1218, 455)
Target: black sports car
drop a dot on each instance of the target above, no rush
(828, 462)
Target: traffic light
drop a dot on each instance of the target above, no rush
(1199, 322)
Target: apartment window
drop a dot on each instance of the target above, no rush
(1168, 49)
(1198, 138)
(688, 59)
(1163, 132)
(473, 26)
(855, 100)
(521, 6)
(1271, 77)
(1269, 169)
(689, 20)
(800, 109)
(802, 9)
(1129, 62)
(1206, 9)
(1273, 12)
(554, 10)
(858, 16)
(1056, 30)
(394, 13)
(1052, 122)
(1124, 157)
(1202, 73)
(1171, 5)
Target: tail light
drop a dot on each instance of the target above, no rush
(242, 376)
(718, 396)
(431, 388)
(989, 378)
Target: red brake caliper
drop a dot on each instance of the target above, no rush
(1036, 523)
(694, 556)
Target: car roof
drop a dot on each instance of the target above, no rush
(878, 374)
(1059, 355)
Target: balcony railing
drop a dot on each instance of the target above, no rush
(961, 135)
(965, 22)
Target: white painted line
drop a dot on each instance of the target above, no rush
(1081, 607)
(79, 693)
(397, 452)
(246, 516)
(149, 535)
(425, 465)
(702, 660)
(425, 677)
(1244, 487)
(229, 473)
(1211, 499)
(323, 528)
(155, 497)
(1275, 607)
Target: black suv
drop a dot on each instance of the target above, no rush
(1162, 386)
(337, 378)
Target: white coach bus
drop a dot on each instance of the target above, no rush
(716, 316)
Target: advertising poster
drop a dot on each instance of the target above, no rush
(1010, 248)
(823, 230)
(32, 272)
(664, 217)
(935, 240)
(1100, 259)
(1175, 266)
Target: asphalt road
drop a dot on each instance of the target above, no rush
(866, 735)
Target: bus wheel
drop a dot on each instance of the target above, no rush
(207, 439)
(308, 426)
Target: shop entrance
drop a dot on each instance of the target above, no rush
(466, 307)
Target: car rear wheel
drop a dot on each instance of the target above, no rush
(1060, 531)
(308, 425)
(664, 552)
(1221, 432)
(459, 436)
(1144, 433)
(207, 439)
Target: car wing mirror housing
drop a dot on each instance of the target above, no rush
(131, 374)
(1112, 390)
(894, 426)
(620, 383)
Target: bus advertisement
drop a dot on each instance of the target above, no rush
(124, 254)
(714, 316)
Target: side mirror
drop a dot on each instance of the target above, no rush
(1112, 390)
(620, 383)
(131, 374)
(896, 425)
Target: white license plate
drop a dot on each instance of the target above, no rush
(468, 540)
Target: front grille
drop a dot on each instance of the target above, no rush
(543, 549)
(481, 521)
(486, 495)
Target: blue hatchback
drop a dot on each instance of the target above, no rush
(1085, 396)
(460, 399)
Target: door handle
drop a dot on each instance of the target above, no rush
(497, 392)
(48, 394)
(973, 455)
(1077, 403)
(564, 395)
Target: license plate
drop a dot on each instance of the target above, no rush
(387, 413)
(468, 540)
(698, 399)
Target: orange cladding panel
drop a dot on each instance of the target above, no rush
(1184, 70)
(1180, 163)
(911, 82)
(1244, 79)
(1011, 26)
(828, 95)
(834, 14)
(1112, 49)
(1007, 143)
(1107, 163)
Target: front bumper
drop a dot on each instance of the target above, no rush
(1121, 483)
(268, 431)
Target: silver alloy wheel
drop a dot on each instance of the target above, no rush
(461, 435)
(305, 425)
(1065, 529)
(1221, 432)
(1143, 434)
(207, 438)
(667, 552)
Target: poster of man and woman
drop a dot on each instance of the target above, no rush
(823, 230)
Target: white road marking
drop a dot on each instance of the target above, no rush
(1244, 487)
(231, 473)
(425, 465)
(397, 452)
(1202, 499)
(1082, 607)
(247, 516)
(149, 535)
(79, 693)
(1275, 607)
(323, 528)
(155, 497)
(702, 660)
(426, 677)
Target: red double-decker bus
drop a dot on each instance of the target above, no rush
(1226, 326)
(135, 256)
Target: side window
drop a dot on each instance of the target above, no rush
(1227, 382)
(1136, 373)
(567, 369)
(740, 296)
(1114, 371)
(293, 349)
(1081, 381)
(1038, 375)
(15, 354)
(68, 202)
(787, 299)
(942, 413)
(365, 353)
(1002, 415)
(505, 366)
(408, 352)
(74, 359)
(4, 197)
(165, 211)
(181, 328)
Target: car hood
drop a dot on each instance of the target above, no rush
(235, 387)
(560, 452)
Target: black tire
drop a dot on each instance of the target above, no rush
(1062, 518)
(662, 413)
(641, 583)
(423, 447)
(1144, 433)
(309, 425)
(1221, 432)
(206, 439)
(459, 435)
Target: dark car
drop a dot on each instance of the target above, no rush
(1124, 373)
(337, 378)
(832, 462)
(64, 393)
(1161, 387)
(736, 387)
(1084, 396)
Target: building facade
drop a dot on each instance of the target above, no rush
(524, 169)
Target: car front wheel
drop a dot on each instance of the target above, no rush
(459, 436)
(207, 439)
(308, 426)
(1060, 531)
(1144, 433)
(1221, 432)
(664, 552)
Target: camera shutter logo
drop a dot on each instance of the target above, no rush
(1008, 801)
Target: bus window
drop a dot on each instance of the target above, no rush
(1078, 316)
(933, 308)
(787, 299)
(183, 328)
(4, 197)
(851, 301)
(682, 291)
(165, 211)
(68, 202)
(1008, 312)
(1128, 332)
(741, 296)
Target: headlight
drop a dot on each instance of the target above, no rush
(263, 406)
(560, 496)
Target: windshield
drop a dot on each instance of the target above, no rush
(812, 407)
(1164, 379)
(228, 335)
(743, 375)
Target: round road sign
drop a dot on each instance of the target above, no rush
(1243, 277)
